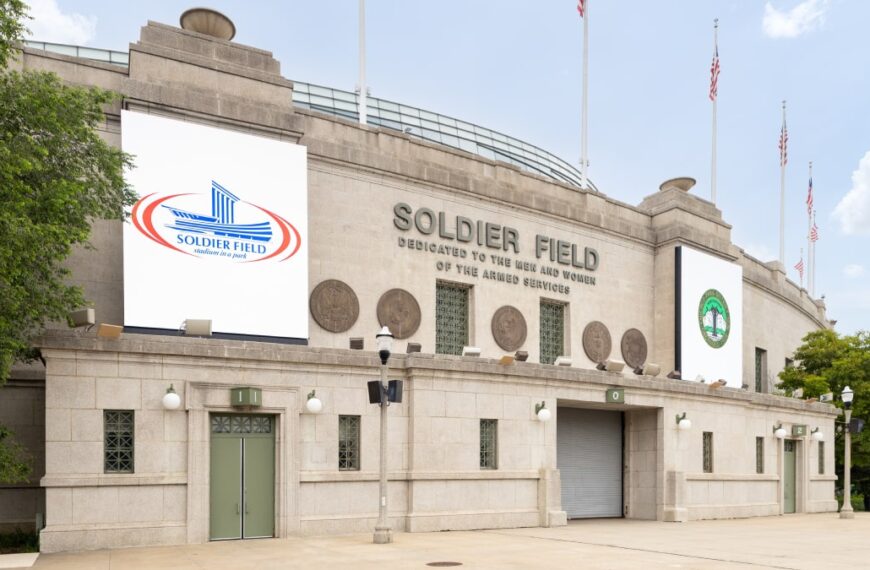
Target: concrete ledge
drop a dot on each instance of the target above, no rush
(472, 520)
(345, 476)
(112, 480)
(731, 477)
(699, 512)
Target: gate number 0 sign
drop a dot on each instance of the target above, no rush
(616, 396)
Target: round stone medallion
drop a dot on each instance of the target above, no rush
(334, 305)
(633, 348)
(596, 341)
(399, 310)
(509, 328)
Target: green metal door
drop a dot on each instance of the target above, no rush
(789, 476)
(225, 494)
(242, 489)
(259, 487)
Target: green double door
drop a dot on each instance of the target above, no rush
(242, 481)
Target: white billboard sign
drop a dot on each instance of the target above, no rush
(709, 306)
(220, 230)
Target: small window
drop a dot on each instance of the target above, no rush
(451, 318)
(708, 452)
(821, 458)
(489, 444)
(760, 369)
(552, 331)
(348, 443)
(118, 441)
(759, 455)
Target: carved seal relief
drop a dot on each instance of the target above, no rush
(596, 341)
(400, 311)
(633, 348)
(334, 305)
(509, 328)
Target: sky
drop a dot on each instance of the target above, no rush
(515, 66)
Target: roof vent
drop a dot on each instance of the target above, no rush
(209, 22)
(685, 184)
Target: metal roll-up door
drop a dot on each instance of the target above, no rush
(589, 457)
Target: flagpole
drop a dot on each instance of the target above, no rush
(715, 97)
(782, 162)
(584, 136)
(813, 292)
(810, 259)
(363, 103)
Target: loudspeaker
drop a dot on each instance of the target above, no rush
(394, 391)
(376, 393)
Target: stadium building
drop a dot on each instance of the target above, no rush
(275, 236)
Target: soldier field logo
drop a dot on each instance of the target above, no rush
(714, 318)
(234, 231)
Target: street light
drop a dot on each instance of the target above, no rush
(846, 512)
(383, 532)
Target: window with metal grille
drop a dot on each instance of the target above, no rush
(229, 423)
(348, 443)
(489, 444)
(708, 452)
(451, 318)
(552, 331)
(759, 455)
(760, 367)
(821, 458)
(118, 441)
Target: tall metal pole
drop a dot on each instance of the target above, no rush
(810, 259)
(363, 103)
(584, 135)
(813, 290)
(847, 512)
(715, 98)
(782, 162)
(383, 532)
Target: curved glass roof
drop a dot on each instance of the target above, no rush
(415, 122)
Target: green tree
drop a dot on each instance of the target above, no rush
(828, 362)
(56, 176)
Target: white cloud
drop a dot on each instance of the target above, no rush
(49, 24)
(853, 270)
(760, 251)
(853, 211)
(805, 17)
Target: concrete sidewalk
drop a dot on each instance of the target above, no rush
(789, 542)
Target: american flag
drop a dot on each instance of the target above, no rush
(810, 197)
(800, 268)
(783, 144)
(714, 75)
(814, 232)
(580, 7)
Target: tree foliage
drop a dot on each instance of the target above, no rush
(56, 176)
(15, 464)
(828, 362)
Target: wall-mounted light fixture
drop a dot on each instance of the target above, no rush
(313, 405)
(648, 369)
(197, 327)
(357, 343)
(817, 434)
(111, 332)
(542, 412)
(470, 351)
(413, 347)
(521, 355)
(506, 360)
(563, 361)
(674, 375)
(171, 400)
(779, 431)
(683, 423)
(611, 365)
(700, 378)
(718, 384)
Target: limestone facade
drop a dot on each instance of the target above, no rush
(357, 178)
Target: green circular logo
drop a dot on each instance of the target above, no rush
(714, 318)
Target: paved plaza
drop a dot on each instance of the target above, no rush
(790, 542)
